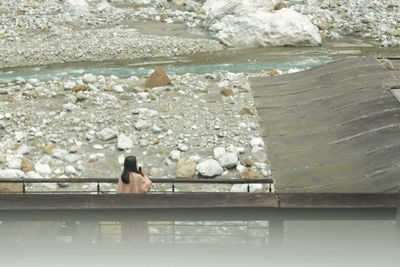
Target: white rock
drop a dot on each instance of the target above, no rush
(257, 141)
(89, 78)
(141, 125)
(228, 160)
(71, 158)
(19, 136)
(196, 158)
(261, 165)
(77, 6)
(33, 174)
(12, 173)
(118, 89)
(70, 170)
(252, 23)
(59, 153)
(107, 134)
(23, 150)
(210, 168)
(69, 85)
(240, 167)
(175, 155)
(15, 164)
(124, 142)
(236, 150)
(34, 81)
(243, 188)
(183, 147)
(143, 95)
(155, 129)
(218, 151)
(43, 169)
(98, 147)
(255, 149)
(70, 107)
(143, 143)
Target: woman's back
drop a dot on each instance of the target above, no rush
(137, 184)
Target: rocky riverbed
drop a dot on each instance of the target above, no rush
(191, 126)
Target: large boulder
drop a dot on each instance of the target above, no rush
(185, 168)
(228, 160)
(253, 23)
(210, 168)
(158, 78)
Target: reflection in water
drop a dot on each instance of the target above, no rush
(216, 243)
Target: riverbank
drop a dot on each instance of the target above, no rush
(49, 32)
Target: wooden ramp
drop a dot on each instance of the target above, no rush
(334, 128)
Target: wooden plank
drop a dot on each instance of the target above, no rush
(337, 200)
(135, 201)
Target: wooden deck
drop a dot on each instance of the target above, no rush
(334, 128)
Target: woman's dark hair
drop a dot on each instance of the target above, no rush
(129, 166)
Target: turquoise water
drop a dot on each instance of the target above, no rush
(125, 70)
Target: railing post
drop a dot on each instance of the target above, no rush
(248, 188)
(98, 186)
(23, 187)
(173, 186)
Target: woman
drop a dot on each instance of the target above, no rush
(133, 180)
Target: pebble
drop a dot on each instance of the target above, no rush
(73, 149)
(257, 141)
(141, 125)
(107, 134)
(175, 155)
(118, 89)
(70, 107)
(70, 170)
(183, 147)
(98, 147)
(155, 129)
(89, 78)
(15, 164)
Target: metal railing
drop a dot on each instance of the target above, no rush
(99, 181)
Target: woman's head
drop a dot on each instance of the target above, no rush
(130, 165)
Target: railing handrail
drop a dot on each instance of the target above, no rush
(154, 180)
